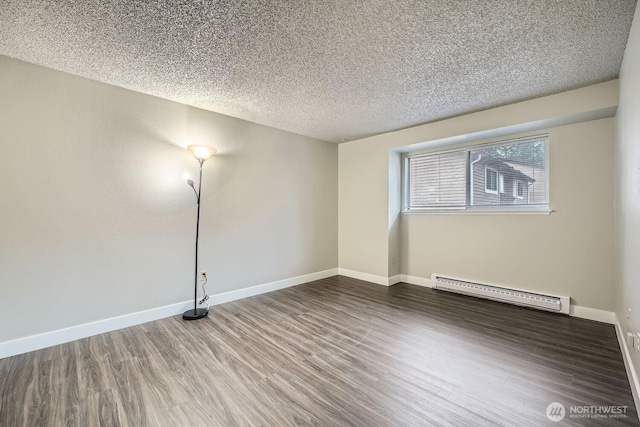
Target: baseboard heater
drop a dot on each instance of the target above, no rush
(512, 296)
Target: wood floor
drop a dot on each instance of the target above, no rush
(333, 352)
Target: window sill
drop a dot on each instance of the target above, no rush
(479, 211)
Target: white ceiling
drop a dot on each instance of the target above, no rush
(331, 69)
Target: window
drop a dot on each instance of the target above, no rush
(490, 181)
(518, 190)
(503, 174)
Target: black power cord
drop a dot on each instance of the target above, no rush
(204, 292)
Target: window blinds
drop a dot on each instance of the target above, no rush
(438, 180)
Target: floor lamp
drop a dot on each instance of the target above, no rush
(201, 153)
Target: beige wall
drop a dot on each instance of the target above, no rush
(628, 187)
(96, 221)
(569, 252)
(367, 242)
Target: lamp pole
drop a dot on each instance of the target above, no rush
(201, 153)
(195, 273)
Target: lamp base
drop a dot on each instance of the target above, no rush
(196, 314)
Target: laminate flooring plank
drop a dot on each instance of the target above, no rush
(5, 368)
(20, 407)
(103, 410)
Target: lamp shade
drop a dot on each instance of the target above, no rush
(202, 152)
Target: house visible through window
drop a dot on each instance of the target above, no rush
(491, 181)
(507, 173)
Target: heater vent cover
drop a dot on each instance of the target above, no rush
(498, 293)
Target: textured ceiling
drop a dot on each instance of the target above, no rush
(332, 69)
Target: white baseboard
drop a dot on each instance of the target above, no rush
(394, 280)
(373, 278)
(61, 336)
(592, 314)
(270, 287)
(628, 363)
(419, 281)
(575, 310)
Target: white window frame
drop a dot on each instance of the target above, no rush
(515, 209)
(516, 183)
(501, 183)
(488, 190)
